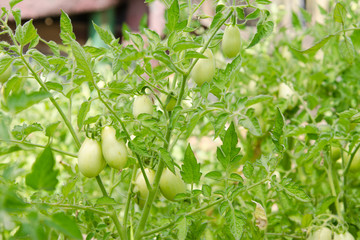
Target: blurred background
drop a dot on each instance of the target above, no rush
(131, 15)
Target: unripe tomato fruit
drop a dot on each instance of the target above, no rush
(335, 153)
(114, 151)
(140, 186)
(231, 41)
(323, 233)
(142, 104)
(5, 75)
(171, 104)
(171, 184)
(90, 158)
(343, 236)
(204, 69)
(286, 92)
(355, 164)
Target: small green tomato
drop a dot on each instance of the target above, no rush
(204, 69)
(142, 104)
(114, 151)
(90, 159)
(140, 186)
(287, 93)
(171, 184)
(231, 42)
(323, 233)
(343, 236)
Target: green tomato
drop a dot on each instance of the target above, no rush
(171, 184)
(204, 69)
(335, 153)
(142, 104)
(355, 164)
(286, 92)
(140, 186)
(231, 41)
(5, 75)
(171, 104)
(343, 236)
(323, 233)
(90, 159)
(114, 151)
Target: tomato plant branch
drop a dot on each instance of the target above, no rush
(332, 186)
(41, 146)
(284, 235)
(128, 199)
(73, 206)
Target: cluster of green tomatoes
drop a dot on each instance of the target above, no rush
(94, 155)
(325, 233)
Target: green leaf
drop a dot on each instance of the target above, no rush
(240, 13)
(105, 200)
(339, 13)
(254, 15)
(64, 224)
(137, 40)
(324, 205)
(66, 29)
(264, 2)
(228, 150)
(182, 227)
(251, 124)
(165, 155)
(43, 176)
(173, 15)
(105, 34)
(190, 170)
(293, 190)
(235, 222)
(54, 86)
(40, 58)
(50, 129)
(264, 29)
(26, 33)
(257, 99)
(163, 57)
(24, 130)
(278, 131)
(346, 49)
(204, 90)
(183, 45)
(216, 175)
(82, 60)
(248, 169)
(307, 16)
(84, 110)
(5, 62)
(14, 2)
(295, 21)
(220, 122)
(206, 190)
(314, 150)
(21, 101)
(316, 47)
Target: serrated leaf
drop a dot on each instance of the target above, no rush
(26, 33)
(165, 155)
(346, 49)
(257, 99)
(184, 45)
(254, 15)
(66, 28)
(190, 170)
(235, 223)
(293, 190)
(163, 57)
(104, 34)
(50, 129)
(43, 176)
(172, 15)
(248, 169)
(64, 224)
(263, 31)
(278, 131)
(251, 124)
(316, 47)
(21, 101)
(82, 60)
(105, 200)
(206, 190)
(324, 205)
(5, 62)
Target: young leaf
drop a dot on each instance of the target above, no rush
(346, 49)
(339, 13)
(104, 34)
(66, 29)
(26, 33)
(264, 29)
(173, 15)
(82, 60)
(165, 155)
(317, 46)
(293, 190)
(190, 170)
(43, 176)
(278, 131)
(236, 223)
(228, 150)
(84, 109)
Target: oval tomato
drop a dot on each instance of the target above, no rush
(142, 104)
(344, 236)
(5, 75)
(355, 164)
(286, 92)
(231, 42)
(171, 184)
(114, 151)
(335, 153)
(140, 186)
(90, 159)
(323, 233)
(204, 69)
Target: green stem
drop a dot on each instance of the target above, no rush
(41, 146)
(79, 207)
(332, 187)
(128, 199)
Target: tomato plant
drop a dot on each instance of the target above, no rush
(343, 236)
(195, 133)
